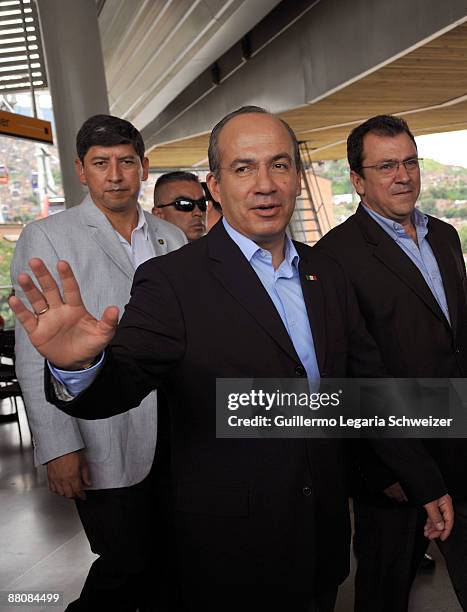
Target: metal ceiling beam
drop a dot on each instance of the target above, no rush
(333, 44)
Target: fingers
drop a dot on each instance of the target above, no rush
(50, 292)
(440, 518)
(68, 488)
(447, 511)
(27, 319)
(35, 297)
(435, 516)
(71, 292)
(395, 491)
(434, 525)
(64, 475)
(430, 531)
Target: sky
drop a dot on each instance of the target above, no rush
(446, 148)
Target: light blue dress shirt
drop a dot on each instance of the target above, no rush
(284, 289)
(422, 255)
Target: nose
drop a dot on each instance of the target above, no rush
(114, 172)
(264, 181)
(402, 176)
(197, 212)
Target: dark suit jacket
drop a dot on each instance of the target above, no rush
(243, 514)
(414, 336)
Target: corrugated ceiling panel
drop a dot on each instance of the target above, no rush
(21, 54)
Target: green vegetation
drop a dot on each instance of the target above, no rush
(444, 191)
(338, 173)
(6, 255)
(463, 237)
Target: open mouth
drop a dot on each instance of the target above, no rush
(265, 210)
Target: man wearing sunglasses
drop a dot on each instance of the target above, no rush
(408, 272)
(179, 198)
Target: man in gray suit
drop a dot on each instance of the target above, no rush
(103, 465)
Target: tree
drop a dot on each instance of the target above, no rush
(463, 237)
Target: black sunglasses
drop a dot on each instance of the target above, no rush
(187, 204)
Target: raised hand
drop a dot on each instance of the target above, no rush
(62, 330)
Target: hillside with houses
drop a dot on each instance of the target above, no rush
(444, 192)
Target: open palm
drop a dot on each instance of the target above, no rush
(64, 332)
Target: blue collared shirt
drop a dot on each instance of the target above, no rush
(284, 289)
(422, 255)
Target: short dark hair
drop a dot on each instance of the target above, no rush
(173, 177)
(108, 131)
(382, 125)
(213, 150)
(209, 197)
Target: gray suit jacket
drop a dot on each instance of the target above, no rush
(119, 450)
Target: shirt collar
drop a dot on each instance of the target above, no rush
(141, 226)
(142, 223)
(393, 227)
(250, 248)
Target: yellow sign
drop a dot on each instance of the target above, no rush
(22, 126)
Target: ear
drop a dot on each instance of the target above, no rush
(157, 212)
(213, 186)
(299, 183)
(80, 172)
(145, 169)
(358, 182)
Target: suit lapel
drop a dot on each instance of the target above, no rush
(104, 235)
(235, 273)
(448, 269)
(314, 302)
(156, 235)
(392, 256)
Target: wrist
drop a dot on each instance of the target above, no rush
(80, 365)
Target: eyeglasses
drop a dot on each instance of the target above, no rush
(187, 204)
(391, 167)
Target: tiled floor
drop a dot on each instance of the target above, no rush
(42, 546)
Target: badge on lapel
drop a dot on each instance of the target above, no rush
(161, 241)
(311, 277)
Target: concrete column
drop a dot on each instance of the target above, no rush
(75, 68)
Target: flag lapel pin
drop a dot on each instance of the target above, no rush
(311, 277)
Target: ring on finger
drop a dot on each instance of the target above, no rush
(43, 311)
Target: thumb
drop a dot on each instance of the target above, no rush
(435, 516)
(109, 319)
(85, 475)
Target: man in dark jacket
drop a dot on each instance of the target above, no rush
(408, 273)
